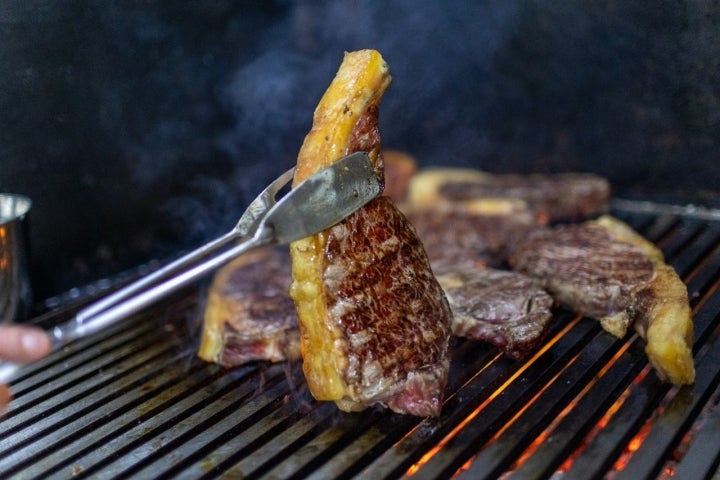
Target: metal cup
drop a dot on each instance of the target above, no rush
(15, 291)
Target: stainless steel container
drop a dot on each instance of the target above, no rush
(15, 290)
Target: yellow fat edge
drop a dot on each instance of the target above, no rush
(424, 187)
(361, 80)
(211, 343)
(624, 232)
(670, 335)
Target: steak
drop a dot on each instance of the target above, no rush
(504, 308)
(374, 322)
(393, 315)
(605, 270)
(470, 232)
(249, 314)
(551, 197)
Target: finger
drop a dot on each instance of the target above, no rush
(23, 343)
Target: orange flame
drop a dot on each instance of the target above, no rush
(413, 469)
(602, 422)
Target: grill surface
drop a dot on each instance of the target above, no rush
(135, 401)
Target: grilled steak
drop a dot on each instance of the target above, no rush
(605, 270)
(471, 232)
(374, 322)
(558, 197)
(249, 314)
(501, 307)
(395, 320)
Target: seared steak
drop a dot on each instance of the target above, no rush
(374, 322)
(249, 314)
(551, 197)
(506, 309)
(586, 268)
(605, 270)
(393, 316)
(469, 232)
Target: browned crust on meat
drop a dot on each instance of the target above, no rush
(608, 271)
(249, 315)
(586, 268)
(334, 363)
(381, 291)
(504, 308)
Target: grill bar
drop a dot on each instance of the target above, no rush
(677, 417)
(702, 459)
(135, 401)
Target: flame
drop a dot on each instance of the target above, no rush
(413, 469)
(602, 422)
(632, 447)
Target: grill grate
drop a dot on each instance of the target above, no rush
(135, 402)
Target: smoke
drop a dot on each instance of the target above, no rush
(155, 123)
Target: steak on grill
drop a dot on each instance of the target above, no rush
(606, 270)
(249, 314)
(504, 308)
(551, 197)
(472, 232)
(374, 322)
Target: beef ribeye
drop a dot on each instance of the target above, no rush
(472, 232)
(504, 308)
(374, 322)
(249, 314)
(551, 197)
(605, 270)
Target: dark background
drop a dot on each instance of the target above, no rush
(143, 128)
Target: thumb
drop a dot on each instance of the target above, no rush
(22, 343)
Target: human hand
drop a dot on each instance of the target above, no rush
(20, 343)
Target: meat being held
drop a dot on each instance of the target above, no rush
(604, 269)
(374, 322)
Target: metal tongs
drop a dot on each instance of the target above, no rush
(315, 204)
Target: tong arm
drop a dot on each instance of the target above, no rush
(312, 206)
(140, 294)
